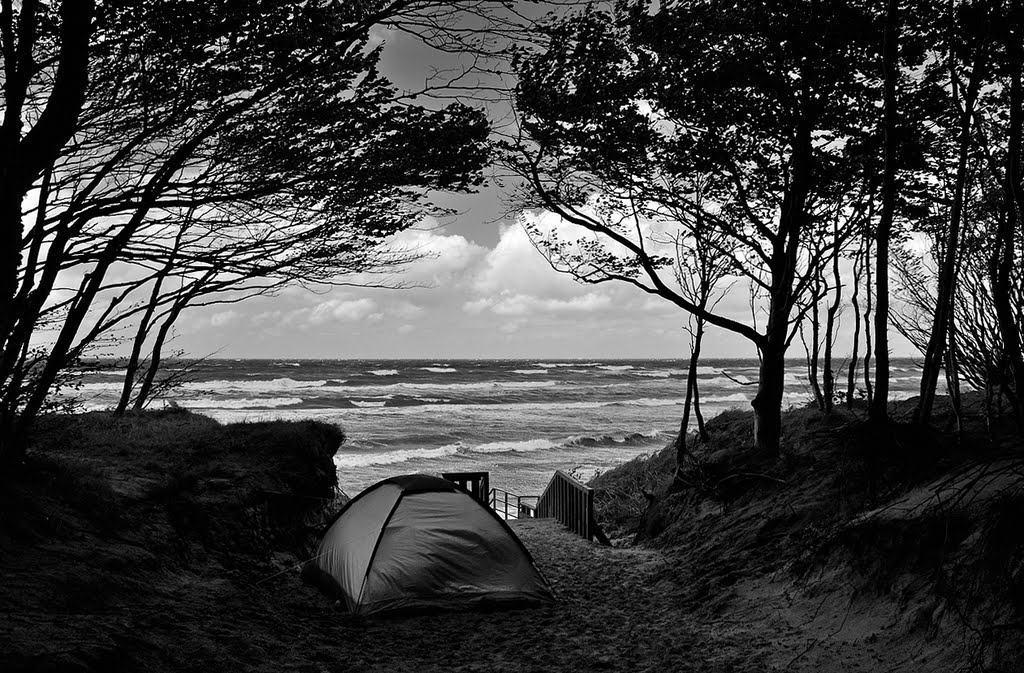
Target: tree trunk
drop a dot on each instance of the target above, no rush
(947, 276)
(878, 410)
(851, 374)
(146, 385)
(868, 387)
(702, 430)
(24, 156)
(828, 376)
(953, 377)
(814, 352)
(682, 450)
(767, 403)
(1011, 223)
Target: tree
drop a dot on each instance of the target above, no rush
(878, 408)
(969, 49)
(1005, 163)
(161, 156)
(701, 271)
(752, 102)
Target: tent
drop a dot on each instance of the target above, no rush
(419, 541)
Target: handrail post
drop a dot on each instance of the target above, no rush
(589, 509)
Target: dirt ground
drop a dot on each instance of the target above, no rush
(618, 609)
(118, 562)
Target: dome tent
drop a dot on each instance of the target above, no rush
(418, 541)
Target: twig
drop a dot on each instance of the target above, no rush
(736, 380)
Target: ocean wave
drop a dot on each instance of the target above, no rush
(349, 458)
(408, 401)
(479, 385)
(105, 386)
(524, 446)
(120, 373)
(337, 387)
(568, 364)
(440, 370)
(417, 405)
(724, 381)
(646, 402)
(256, 403)
(735, 397)
(384, 372)
(284, 383)
(529, 371)
(663, 373)
(631, 439)
(616, 368)
(343, 460)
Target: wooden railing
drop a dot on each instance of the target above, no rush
(513, 506)
(477, 483)
(571, 503)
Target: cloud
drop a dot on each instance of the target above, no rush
(224, 318)
(514, 265)
(405, 310)
(444, 256)
(339, 310)
(508, 304)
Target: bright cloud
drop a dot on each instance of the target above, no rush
(340, 310)
(444, 257)
(514, 265)
(224, 318)
(508, 304)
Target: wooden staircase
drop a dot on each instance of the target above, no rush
(571, 503)
(567, 500)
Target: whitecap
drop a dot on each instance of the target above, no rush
(647, 402)
(343, 460)
(273, 384)
(735, 397)
(523, 446)
(663, 373)
(252, 403)
(107, 386)
(725, 381)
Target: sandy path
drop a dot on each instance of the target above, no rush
(612, 614)
(617, 610)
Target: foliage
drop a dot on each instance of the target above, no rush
(219, 151)
(729, 127)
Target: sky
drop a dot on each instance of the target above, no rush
(481, 291)
(471, 299)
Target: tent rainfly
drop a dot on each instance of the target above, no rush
(419, 541)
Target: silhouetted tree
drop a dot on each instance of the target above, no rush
(162, 155)
(753, 101)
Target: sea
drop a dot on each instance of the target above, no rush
(519, 420)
